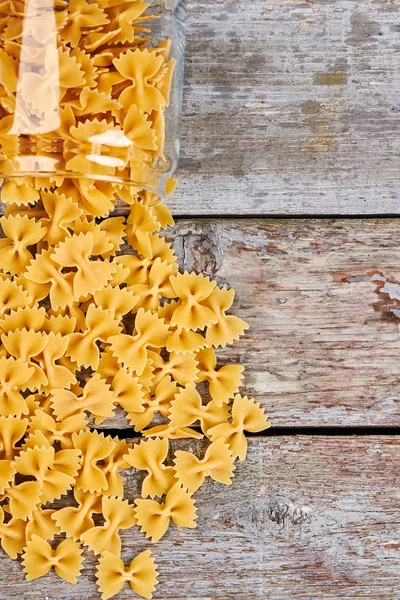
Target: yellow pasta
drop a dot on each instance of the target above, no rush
(130, 350)
(217, 464)
(14, 378)
(41, 523)
(12, 535)
(159, 402)
(95, 315)
(93, 447)
(112, 575)
(150, 456)
(100, 325)
(191, 312)
(96, 398)
(12, 430)
(154, 518)
(228, 328)
(74, 521)
(246, 416)
(187, 408)
(118, 514)
(39, 558)
(21, 232)
(224, 382)
(54, 471)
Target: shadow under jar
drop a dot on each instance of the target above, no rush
(91, 90)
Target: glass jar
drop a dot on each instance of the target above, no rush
(91, 90)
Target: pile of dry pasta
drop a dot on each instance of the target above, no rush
(96, 317)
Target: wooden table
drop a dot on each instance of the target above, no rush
(288, 179)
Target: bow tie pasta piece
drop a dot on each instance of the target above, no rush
(140, 228)
(21, 232)
(139, 129)
(112, 575)
(41, 523)
(12, 535)
(50, 360)
(19, 192)
(128, 392)
(141, 67)
(228, 328)
(12, 430)
(25, 345)
(79, 16)
(150, 456)
(92, 198)
(39, 558)
(94, 448)
(192, 289)
(224, 382)
(118, 514)
(74, 521)
(130, 350)
(44, 271)
(62, 212)
(246, 416)
(12, 297)
(181, 367)
(14, 378)
(117, 301)
(55, 471)
(100, 326)
(217, 464)
(57, 431)
(102, 246)
(23, 498)
(27, 317)
(91, 275)
(96, 398)
(158, 286)
(187, 408)
(154, 518)
(159, 402)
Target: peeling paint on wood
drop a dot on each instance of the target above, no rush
(324, 344)
(305, 518)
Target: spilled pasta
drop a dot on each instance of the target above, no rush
(96, 317)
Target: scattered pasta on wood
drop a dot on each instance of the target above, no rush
(95, 315)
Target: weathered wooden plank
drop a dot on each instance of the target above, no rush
(291, 106)
(323, 346)
(305, 518)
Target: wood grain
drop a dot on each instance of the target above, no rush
(305, 518)
(323, 347)
(291, 106)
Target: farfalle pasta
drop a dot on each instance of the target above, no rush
(112, 574)
(95, 315)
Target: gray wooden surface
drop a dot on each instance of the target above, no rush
(323, 345)
(305, 518)
(291, 106)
